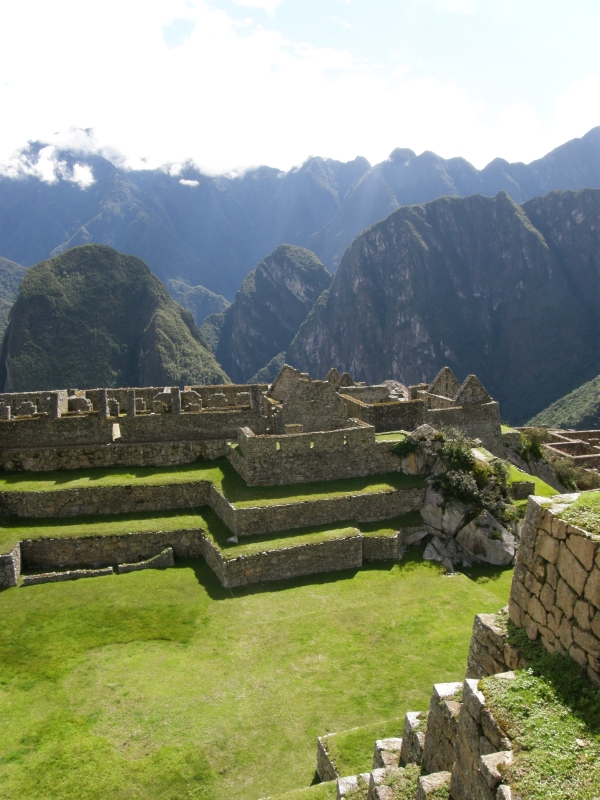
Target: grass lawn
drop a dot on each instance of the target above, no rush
(161, 685)
(391, 436)
(390, 527)
(585, 512)
(541, 489)
(219, 472)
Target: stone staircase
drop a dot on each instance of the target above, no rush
(454, 750)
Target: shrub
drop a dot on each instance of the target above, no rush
(531, 443)
(405, 447)
(575, 477)
(456, 453)
(459, 485)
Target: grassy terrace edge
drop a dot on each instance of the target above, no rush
(219, 472)
(18, 528)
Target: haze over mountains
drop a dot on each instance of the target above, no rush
(213, 230)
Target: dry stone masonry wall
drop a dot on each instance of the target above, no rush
(555, 593)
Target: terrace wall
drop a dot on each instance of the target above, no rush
(10, 567)
(555, 592)
(102, 500)
(305, 457)
(282, 564)
(392, 416)
(115, 454)
(101, 551)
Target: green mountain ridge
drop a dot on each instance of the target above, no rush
(578, 410)
(508, 292)
(11, 275)
(197, 299)
(267, 311)
(94, 317)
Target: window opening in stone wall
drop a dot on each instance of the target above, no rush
(345, 440)
(312, 444)
(277, 445)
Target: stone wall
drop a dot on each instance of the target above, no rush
(10, 567)
(114, 454)
(359, 507)
(393, 416)
(476, 421)
(304, 457)
(87, 429)
(490, 651)
(102, 500)
(100, 551)
(289, 562)
(325, 767)
(442, 724)
(164, 559)
(314, 405)
(555, 593)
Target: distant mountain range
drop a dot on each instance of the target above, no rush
(211, 231)
(11, 275)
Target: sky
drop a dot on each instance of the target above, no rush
(231, 84)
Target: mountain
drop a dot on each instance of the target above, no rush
(509, 292)
(578, 410)
(93, 317)
(267, 311)
(200, 301)
(11, 275)
(213, 230)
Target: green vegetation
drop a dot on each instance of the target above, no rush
(541, 489)
(219, 472)
(270, 306)
(578, 410)
(161, 685)
(11, 275)
(321, 791)
(575, 477)
(93, 317)
(584, 513)
(351, 752)
(404, 784)
(531, 443)
(391, 436)
(389, 527)
(197, 299)
(551, 711)
(404, 446)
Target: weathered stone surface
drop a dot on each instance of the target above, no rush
(162, 560)
(571, 570)
(487, 540)
(547, 547)
(73, 575)
(325, 767)
(413, 737)
(592, 587)
(387, 753)
(431, 785)
(565, 598)
(583, 548)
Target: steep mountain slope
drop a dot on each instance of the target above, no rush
(11, 275)
(267, 311)
(93, 317)
(213, 230)
(407, 179)
(511, 293)
(200, 301)
(578, 410)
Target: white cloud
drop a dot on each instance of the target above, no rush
(186, 182)
(229, 97)
(267, 5)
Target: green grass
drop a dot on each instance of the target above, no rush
(585, 512)
(220, 473)
(391, 436)
(552, 714)
(351, 752)
(321, 791)
(541, 489)
(162, 685)
(390, 527)
(508, 429)
(218, 533)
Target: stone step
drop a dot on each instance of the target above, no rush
(387, 753)
(434, 786)
(357, 786)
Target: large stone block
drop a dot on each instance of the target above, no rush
(487, 540)
(592, 587)
(547, 547)
(583, 548)
(571, 570)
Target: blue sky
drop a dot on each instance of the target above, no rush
(235, 83)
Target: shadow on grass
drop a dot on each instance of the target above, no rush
(481, 573)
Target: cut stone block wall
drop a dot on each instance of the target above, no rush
(101, 500)
(477, 421)
(442, 723)
(10, 567)
(70, 575)
(163, 559)
(305, 457)
(114, 454)
(391, 416)
(555, 593)
(325, 767)
(359, 507)
(99, 551)
(490, 651)
(291, 562)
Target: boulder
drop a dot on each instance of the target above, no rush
(487, 540)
